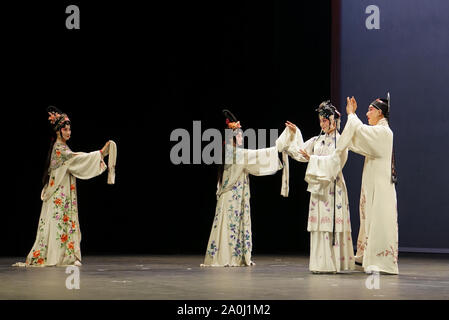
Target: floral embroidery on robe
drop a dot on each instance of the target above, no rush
(58, 235)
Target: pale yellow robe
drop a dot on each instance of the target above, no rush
(377, 244)
(324, 255)
(58, 235)
(230, 241)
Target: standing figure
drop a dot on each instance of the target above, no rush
(377, 244)
(230, 241)
(58, 235)
(329, 224)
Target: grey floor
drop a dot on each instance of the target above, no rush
(180, 277)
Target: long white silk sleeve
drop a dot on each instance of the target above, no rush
(86, 165)
(262, 162)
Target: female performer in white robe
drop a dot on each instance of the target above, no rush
(377, 244)
(230, 241)
(327, 219)
(58, 235)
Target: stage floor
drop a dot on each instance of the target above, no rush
(422, 276)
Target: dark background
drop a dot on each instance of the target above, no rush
(133, 74)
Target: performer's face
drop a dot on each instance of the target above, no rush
(66, 132)
(325, 124)
(373, 115)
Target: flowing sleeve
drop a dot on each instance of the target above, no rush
(290, 144)
(356, 137)
(306, 146)
(361, 138)
(322, 170)
(86, 165)
(262, 162)
(288, 141)
(112, 153)
(81, 165)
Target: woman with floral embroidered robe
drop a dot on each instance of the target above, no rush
(230, 241)
(325, 254)
(377, 244)
(58, 236)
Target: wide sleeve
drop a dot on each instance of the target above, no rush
(322, 170)
(356, 136)
(287, 140)
(360, 138)
(86, 165)
(261, 162)
(307, 146)
(292, 143)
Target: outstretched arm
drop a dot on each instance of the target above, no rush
(261, 162)
(87, 165)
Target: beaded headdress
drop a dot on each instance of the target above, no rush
(57, 118)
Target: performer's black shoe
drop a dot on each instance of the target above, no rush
(358, 266)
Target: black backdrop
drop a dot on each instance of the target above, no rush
(134, 74)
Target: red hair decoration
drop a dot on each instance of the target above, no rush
(234, 125)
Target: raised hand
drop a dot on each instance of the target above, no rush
(291, 126)
(354, 104)
(351, 105)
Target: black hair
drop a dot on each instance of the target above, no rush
(326, 109)
(220, 169)
(382, 105)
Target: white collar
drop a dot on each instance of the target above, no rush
(382, 122)
(326, 135)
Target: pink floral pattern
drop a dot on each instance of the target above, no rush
(390, 252)
(362, 205)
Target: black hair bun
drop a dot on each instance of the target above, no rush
(326, 109)
(228, 114)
